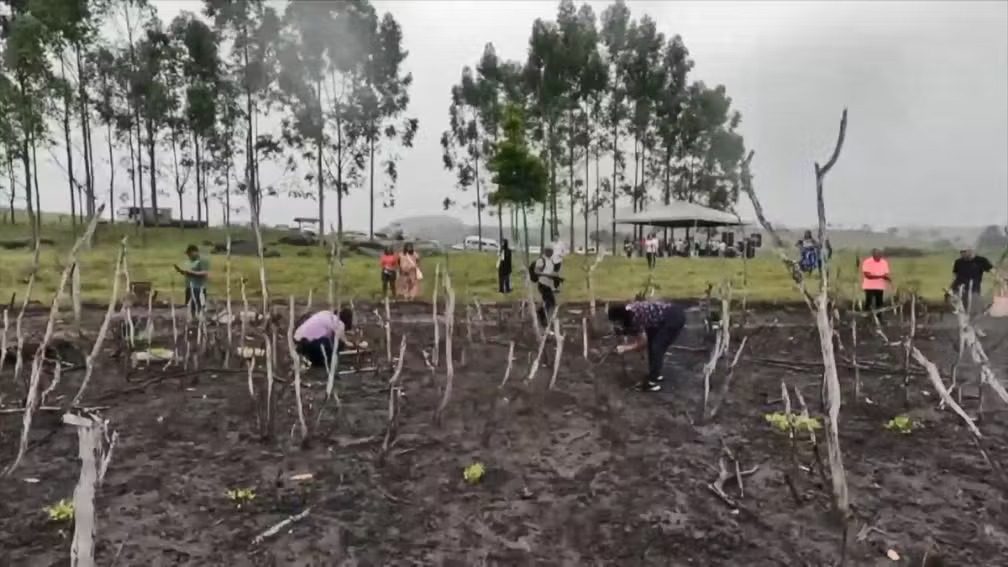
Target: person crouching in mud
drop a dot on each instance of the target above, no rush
(319, 334)
(654, 324)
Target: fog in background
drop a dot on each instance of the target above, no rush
(926, 85)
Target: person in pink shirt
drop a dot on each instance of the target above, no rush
(319, 334)
(875, 279)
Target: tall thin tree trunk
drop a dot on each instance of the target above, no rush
(69, 147)
(371, 141)
(112, 168)
(26, 160)
(38, 199)
(615, 176)
(178, 182)
(587, 191)
(199, 181)
(227, 193)
(13, 192)
(339, 177)
(570, 187)
(321, 188)
(82, 81)
(151, 144)
(598, 201)
(479, 205)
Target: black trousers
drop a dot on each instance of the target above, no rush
(388, 278)
(548, 303)
(659, 341)
(195, 298)
(873, 299)
(650, 259)
(317, 351)
(504, 280)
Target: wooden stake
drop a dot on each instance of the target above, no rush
(296, 364)
(32, 399)
(449, 363)
(227, 300)
(510, 361)
(559, 351)
(103, 329)
(434, 317)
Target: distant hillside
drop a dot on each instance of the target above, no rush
(450, 230)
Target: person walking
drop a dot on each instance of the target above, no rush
(654, 325)
(969, 270)
(504, 268)
(196, 273)
(875, 280)
(408, 280)
(388, 263)
(546, 274)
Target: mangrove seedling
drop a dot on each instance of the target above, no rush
(902, 424)
(474, 473)
(779, 421)
(62, 511)
(241, 496)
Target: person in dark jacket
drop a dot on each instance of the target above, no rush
(504, 268)
(652, 324)
(969, 270)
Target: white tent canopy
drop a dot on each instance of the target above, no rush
(680, 214)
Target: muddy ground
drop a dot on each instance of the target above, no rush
(590, 473)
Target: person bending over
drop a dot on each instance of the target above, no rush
(546, 273)
(318, 334)
(652, 324)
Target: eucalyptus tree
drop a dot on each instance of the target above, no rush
(152, 89)
(253, 29)
(384, 99)
(107, 100)
(546, 79)
(519, 174)
(26, 40)
(712, 147)
(475, 116)
(614, 30)
(676, 64)
(200, 68)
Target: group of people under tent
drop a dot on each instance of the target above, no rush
(650, 325)
(651, 247)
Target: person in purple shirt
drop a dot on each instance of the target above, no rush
(320, 333)
(654, 324)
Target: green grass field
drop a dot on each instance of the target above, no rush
(152, 252)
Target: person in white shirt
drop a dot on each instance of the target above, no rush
(321, 333)
(651, 250)
(546, 274)
(722, 248)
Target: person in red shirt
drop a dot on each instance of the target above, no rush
(389, 263)
(875, 273)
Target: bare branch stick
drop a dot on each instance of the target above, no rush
(280, 526)
(559, 351)
(227, 300)
(94, 458)
(510, 362)
(296, 367)
(32, 399)
(434, 317)
(393, 401)
(103, 329)
(449, 331)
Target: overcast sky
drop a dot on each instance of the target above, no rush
(926, 85)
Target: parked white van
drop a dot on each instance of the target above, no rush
(473, 243)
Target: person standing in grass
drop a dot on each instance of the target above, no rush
(409, 273)
(651, 250)
(388, 263)
(504, 268)
(969, 270)
(196, 273)
(319, 334)
(875, 280)
(545, 273)
(652, 324)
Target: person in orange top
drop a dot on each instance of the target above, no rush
(875, 271)
(389, 263)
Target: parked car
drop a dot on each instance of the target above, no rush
(473, 243)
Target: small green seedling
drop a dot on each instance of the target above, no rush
(474, 473)
(241, 496)
(902, 424)
(779, 421)
(62, 511)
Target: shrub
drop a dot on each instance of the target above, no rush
(779, 421)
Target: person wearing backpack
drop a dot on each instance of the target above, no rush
(545, 273)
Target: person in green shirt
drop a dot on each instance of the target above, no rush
(195, 279)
